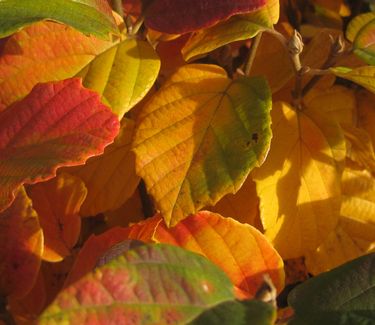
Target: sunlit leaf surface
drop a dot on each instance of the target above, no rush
(199, 136)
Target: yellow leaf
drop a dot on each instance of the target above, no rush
(361, 149)
(355, 233)
(298, 185)
(366, 112)
(242, 206)
(199, 136)
(110, 178)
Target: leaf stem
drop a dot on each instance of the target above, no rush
(137, 25)
(252, 53)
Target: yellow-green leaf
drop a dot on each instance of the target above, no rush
(123, 74)
(199, 136)
(240, 27)
(364, 76)
(361, 31)
(298, 184)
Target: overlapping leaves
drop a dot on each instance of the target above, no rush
(57, 124)
(88, 16)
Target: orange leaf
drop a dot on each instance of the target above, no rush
(43, 52)
(21, 247)
(58, 202)
(240, 250)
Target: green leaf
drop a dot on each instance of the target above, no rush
(361, 31)
(198, 138)
(364, 76)
(88, 16)
(345, 295)
(150, 284)
(123, 74)
(238, 313)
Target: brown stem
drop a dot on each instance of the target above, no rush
(337, 49)
(252, 53)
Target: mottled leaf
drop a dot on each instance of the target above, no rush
(110, 178)
(238, 313)
(39, 53)
(123, 74)
(345, 295)
(301, 180)
(57, 203)
(57, 124)
(355, 233)
(21, 247)
(199, 136)
(237, 28)
(178, 17)
(88, 16)
(151, 284)
(96, 246)
(361, 32)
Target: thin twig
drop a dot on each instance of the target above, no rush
(337, 49)
(252, 53)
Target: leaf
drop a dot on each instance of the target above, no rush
(57, 124)
(109, 178)
(238, 313)
(366, 112)
(355, 234)
(40, 53)
(178, 17)
(345, 295)
(21, 247)
(242, 206)
(237, 28)
(96, 246)
(123, 74)
(57, 203)
(300, 178)
(361, 150)
(364, 76)
(245, 261)
(361, 32)
(199, 136)
(151, 284)
(88, 16)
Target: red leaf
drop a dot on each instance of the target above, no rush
(181, 16)
(57, 124)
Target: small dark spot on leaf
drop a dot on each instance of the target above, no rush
(15, 265)
(254, 136)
